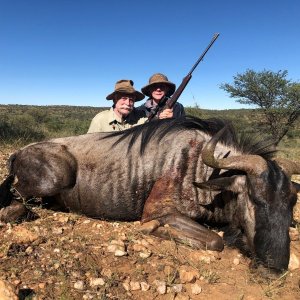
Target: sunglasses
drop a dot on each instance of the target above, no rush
(160, 86)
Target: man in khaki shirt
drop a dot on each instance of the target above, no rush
(122, 115)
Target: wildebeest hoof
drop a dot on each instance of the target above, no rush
(216, 244)
(149, 227)
(265, 274)
(16, 212)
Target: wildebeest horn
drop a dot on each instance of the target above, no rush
(252, 164)
(289, 166)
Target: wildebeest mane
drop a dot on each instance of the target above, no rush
(247, 144)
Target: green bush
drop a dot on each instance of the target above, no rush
(21, 124)
(20, 128)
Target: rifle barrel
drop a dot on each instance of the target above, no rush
(216, 35)
(171, 102)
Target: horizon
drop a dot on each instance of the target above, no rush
(107, 107)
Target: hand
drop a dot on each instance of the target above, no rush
(166, 113)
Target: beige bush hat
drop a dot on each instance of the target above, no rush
(125, 86)
(159, 78)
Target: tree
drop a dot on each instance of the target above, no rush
(278, 98)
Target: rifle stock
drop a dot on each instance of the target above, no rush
(169, 103)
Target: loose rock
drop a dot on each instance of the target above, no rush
(161, 286)
(177, 288)
(79, 285)
(145, 286)
(96, 281)
(294, 262)
(7, 291)
(188, 275)
(135, 286)
(196, 289)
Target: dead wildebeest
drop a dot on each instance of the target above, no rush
(183, 172)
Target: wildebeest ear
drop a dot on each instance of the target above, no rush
(296, 185)
(234, 183)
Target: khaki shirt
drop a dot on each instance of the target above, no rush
(107, 120)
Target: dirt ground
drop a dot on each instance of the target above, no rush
(67, 256)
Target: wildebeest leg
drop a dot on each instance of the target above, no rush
(5, 193)
(184, 230)
(40, 170)
(43, 170)
(12, 210)
(160, 210)
(15, 212)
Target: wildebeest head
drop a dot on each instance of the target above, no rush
(267, 195)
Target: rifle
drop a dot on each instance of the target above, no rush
(169, 103)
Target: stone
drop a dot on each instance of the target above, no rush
(126, 286)
(135, 286)
(119, 252)
(188, 276)
(196, 289)
(97, 281)
(236, 261)
(162, 289)
(294, 262)
(161, 286)
(117, 247)
(145, 286)
(63, 219)
(42, 285)
(7, 291)
(177, 288)
(79, 285)
(106, 272)
(294, 234)
(29, 250)
(145, 254)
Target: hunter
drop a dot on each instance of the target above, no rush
(159, 87)
(122, 115)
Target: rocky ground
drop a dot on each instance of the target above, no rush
(67, 256)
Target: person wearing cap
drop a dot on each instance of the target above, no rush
(159, 87)
(123, 114)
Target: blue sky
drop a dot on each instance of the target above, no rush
(71, 52)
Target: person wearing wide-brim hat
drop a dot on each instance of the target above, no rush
(159, 87)
(123, 114)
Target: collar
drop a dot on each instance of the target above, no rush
(114, 119)
(150, 103)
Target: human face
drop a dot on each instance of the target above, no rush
(124, 104)
(158, 91)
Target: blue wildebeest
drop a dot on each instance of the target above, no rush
(184, 173)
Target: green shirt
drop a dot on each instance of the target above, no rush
(107, 120)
